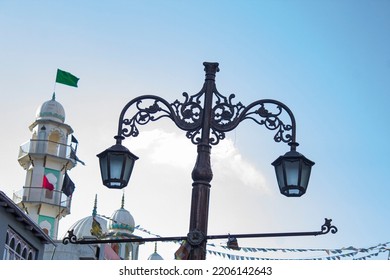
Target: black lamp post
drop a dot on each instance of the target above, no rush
(206, 117)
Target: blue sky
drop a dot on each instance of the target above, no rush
(328, 61)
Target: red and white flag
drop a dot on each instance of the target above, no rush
(46, 184)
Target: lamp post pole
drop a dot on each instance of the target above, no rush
(202, 173)
(206, 121)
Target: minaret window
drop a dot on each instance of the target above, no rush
(42, 133)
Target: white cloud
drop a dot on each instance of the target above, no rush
(228, 161)
(176, 151)
(165, 148)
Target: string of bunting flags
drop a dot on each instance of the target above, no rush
(226, 252)
(331, 254)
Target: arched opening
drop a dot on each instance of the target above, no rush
(54, 143)
(24, 254)
(18, 251)
(12, 244)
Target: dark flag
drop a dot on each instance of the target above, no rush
(74, 140)
(67, 186)
(74, 150)
(77, 159)
(73, 156)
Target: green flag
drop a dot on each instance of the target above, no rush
(66, 78)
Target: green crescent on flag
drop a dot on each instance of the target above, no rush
(66, 78)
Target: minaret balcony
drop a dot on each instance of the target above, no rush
(40, 195)
(40, 148)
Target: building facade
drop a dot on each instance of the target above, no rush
(20, 237)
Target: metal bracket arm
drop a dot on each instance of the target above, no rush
(325, 228)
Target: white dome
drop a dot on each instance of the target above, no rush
(82, 228)
(121, 220)
(155, 257)
(51, 110)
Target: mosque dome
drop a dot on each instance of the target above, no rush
(121, 220)
(51, 110)
(155, 256)
(83, 227)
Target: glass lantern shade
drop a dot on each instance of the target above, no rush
(116, 165)
(293, 173)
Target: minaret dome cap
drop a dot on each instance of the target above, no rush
(51, 110)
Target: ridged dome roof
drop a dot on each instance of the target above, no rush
(82, 228)
(155, 256)
(51, 110)
(121, 220)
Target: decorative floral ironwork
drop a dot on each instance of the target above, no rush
(199, 112)
(225, 112)
(144, 114)
(270, 117)
(225, 116)
(187, 115)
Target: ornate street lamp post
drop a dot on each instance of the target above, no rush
(206, 117)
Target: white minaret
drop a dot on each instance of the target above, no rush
(46, 158)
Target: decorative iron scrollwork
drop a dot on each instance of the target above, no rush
(186, 115)
(327, 227)
(144, 114)
(198, 112)
(267, 112)
(271, 119)
(225, 112)
(226, 116)
(71, 238)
